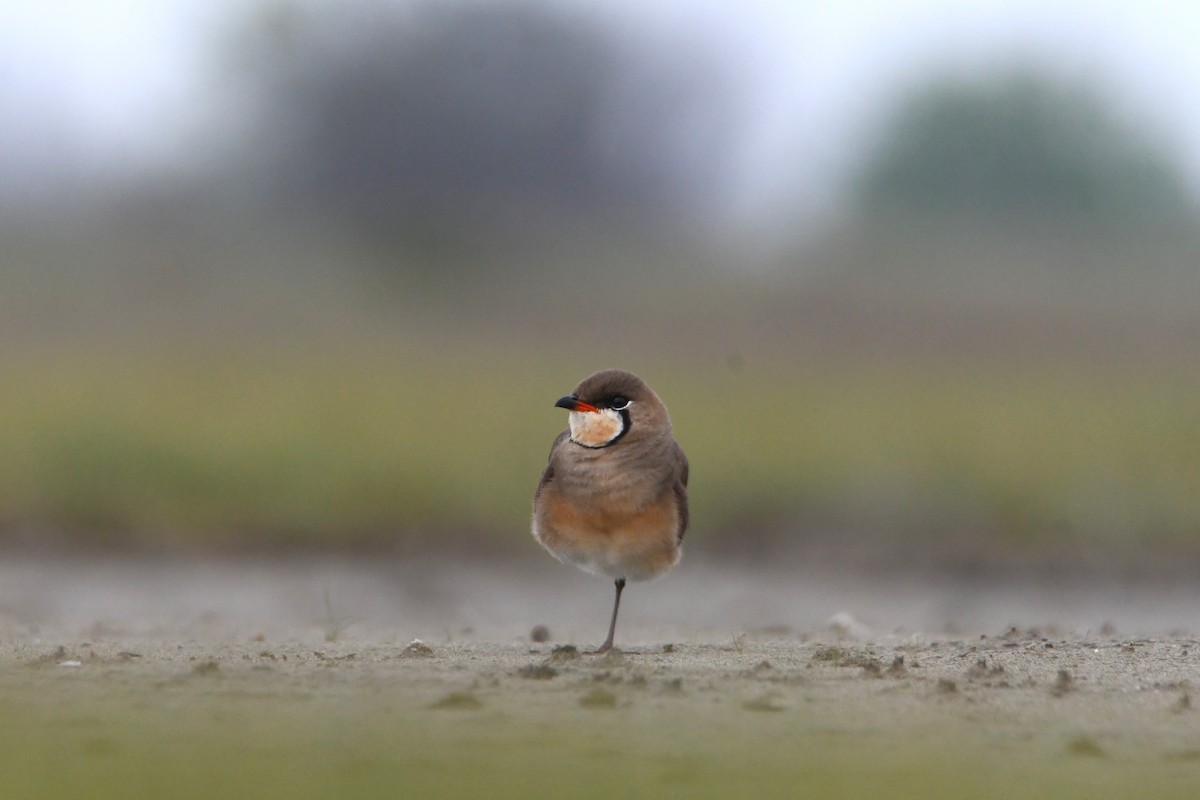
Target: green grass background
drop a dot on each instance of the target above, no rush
(355, 441)
(257, 391)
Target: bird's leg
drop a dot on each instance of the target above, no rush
(612, 626)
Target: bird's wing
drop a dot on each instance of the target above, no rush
(680, 488)
(548, 472)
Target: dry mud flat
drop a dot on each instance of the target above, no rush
(1020, 714)
(299, 679)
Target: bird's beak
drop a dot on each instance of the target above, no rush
(574, 404)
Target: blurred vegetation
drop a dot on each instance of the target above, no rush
(432, 220)
(334, 415)
(450, 125)
(1023, 186)
(1021, 147)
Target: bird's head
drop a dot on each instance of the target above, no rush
(611, 404)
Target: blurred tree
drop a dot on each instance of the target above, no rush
(412, 119)
(1019, 148)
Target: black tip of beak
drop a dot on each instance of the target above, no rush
(568, 402)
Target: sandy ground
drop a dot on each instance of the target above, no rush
(1081, 670)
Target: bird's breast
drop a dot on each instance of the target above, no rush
(616, 538)
(620, 476)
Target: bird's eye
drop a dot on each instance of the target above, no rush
(619, 403)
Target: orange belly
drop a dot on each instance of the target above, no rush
(633, 544)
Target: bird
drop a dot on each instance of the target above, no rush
(613, 498)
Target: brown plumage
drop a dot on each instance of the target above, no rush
(613, 497)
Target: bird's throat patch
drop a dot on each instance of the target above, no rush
(598, 428)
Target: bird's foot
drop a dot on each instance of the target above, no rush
(609, 655)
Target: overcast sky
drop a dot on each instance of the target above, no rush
(116, 82)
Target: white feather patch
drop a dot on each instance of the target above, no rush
(595, 428)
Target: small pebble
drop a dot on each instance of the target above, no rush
(1064, 683)
(764, 702)
(458, 701)
(538, 672)
(564, 653)
(599, 698)
(417, 649)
